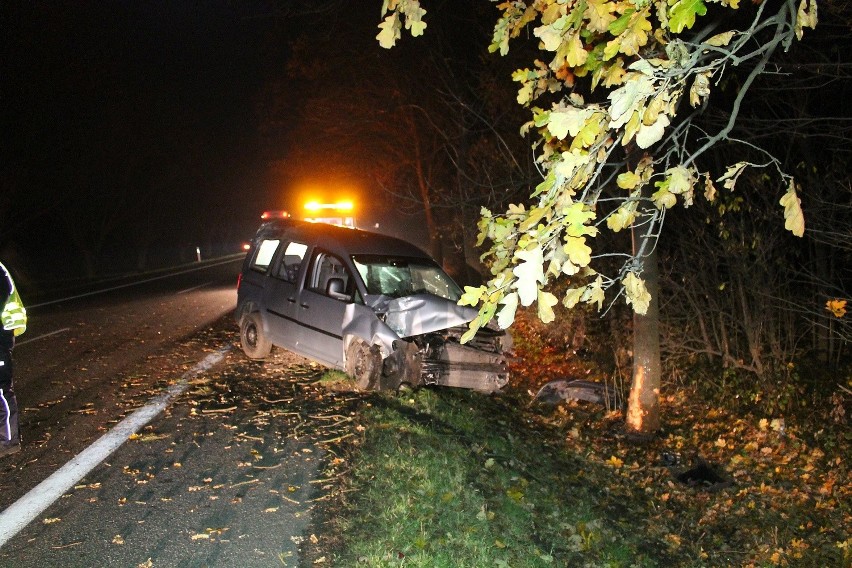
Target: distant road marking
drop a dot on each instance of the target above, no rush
(230, 259)
(194, 288)
(20, 513)
(63, 330)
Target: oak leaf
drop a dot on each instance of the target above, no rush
(837, 307)
(636, 293)
(529, 274)
(682, 14)
(794, 219)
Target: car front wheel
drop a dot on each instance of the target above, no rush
(254, 343)
(364, 364)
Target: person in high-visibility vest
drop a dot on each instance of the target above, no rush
(14, 322)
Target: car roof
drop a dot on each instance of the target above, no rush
(341, 240)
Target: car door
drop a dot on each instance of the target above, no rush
(328, 288)
(280, 294)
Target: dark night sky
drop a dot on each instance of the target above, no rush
(145, 125)
(128, 113)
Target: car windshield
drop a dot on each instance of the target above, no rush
(401, 276)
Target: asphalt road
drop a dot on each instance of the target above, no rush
(225, 476)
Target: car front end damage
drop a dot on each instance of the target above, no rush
(416, 340)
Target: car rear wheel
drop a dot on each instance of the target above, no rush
(364, 364)
(254, 343)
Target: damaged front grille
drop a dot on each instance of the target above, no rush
(478, 364)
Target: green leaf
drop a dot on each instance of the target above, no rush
(578, 214)
(617, 27)
(472, 296)
(682, 14)
(472, 328)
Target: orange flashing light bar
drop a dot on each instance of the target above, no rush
(339, 206)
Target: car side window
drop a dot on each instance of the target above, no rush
(264, 254)
(291, 260)
(330, 277)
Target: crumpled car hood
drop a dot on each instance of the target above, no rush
(420, 313)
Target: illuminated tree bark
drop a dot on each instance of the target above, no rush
(643, 405)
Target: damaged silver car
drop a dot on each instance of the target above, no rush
(376, 307)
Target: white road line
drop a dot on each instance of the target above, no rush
(63, 330)
(193, 288)
(21, 512)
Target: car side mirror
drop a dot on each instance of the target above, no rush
(336, 289)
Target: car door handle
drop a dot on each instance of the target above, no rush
(306, 306)
(291, 300)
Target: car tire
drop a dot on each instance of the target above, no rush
(364, 364)
(254, 343)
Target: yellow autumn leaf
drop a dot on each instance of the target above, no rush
(631, 128)
(506, 315)
(599, 13)
(610, 74)
(572, 297)
(700, 89)
(546, 301)
(664, 199)
(564, 121)
(591, 131)
(622, 217)
(594, 293)
(636, 34)
(636, 293)
(806, 17)
(837, 307)
(648, 135)
(578, 252)
(529, 273)
(794, 219)
(721, 39)
(573, 51)
(709, 188)
(615, 461)
(627, 180)
(732, 173)
(390, 31)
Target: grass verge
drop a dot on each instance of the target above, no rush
(445, 477)
(451, 478)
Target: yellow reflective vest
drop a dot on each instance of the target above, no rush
(14, 315)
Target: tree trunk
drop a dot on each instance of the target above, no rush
(643, 405)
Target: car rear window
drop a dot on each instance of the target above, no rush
(265, 251)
